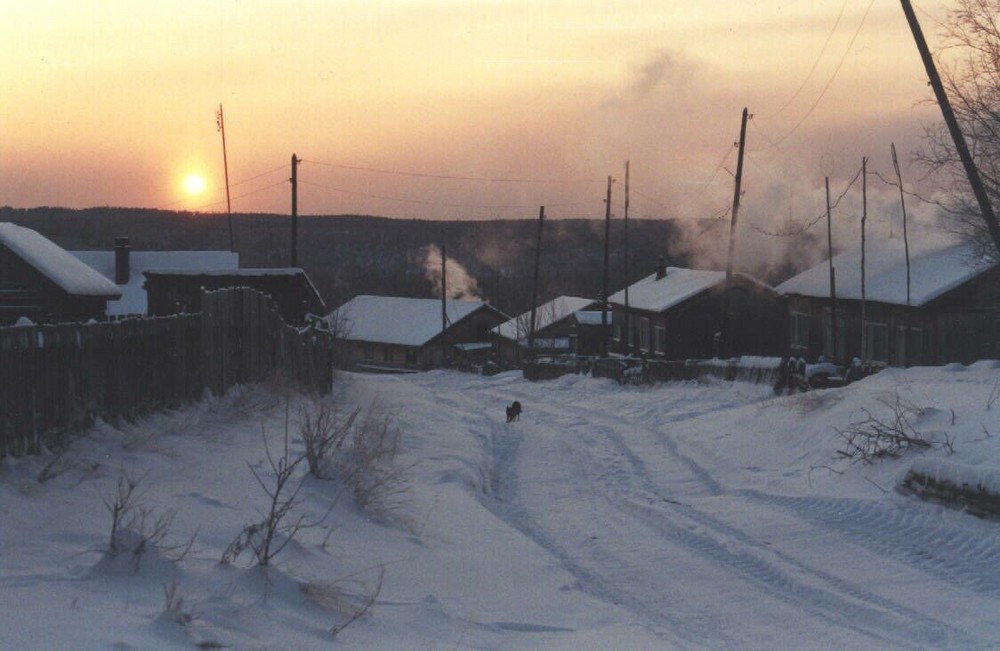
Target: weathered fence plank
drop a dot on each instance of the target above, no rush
(63, 376)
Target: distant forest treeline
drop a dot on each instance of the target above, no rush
(350, 255)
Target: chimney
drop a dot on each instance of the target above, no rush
(122, 263)
(661, 268)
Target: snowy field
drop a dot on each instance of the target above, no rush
(681, 516)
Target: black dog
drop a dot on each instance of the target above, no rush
(514, 411)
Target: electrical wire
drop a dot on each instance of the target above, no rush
(448, 177)
(813, 222)
(812, 70)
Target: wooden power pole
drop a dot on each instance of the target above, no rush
(444, 306)
(607, 258)
(534, 284)
(727, 328)
(985, 207)
(626, 341)
(864, 219)
(221, 122)
(833, 276)
(295, 211)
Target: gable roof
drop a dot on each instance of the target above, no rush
(654, 294)
(396, 320)
(546, 314)
(934, 270)
(133, 299)
(55, 263)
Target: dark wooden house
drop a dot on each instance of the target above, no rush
(44, 283)
(385, 333)
(948, 311)
(678, 313)
(556, 334)
(172, 291)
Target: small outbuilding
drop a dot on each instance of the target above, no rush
(41, 281)
(172, 291)
(390, 333)
(678, 313)
(555, 332)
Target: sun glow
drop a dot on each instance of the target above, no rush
(194, 184)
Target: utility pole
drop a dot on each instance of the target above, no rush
(626, 339)
(607, 257)
(221, 124)
(902, 203)
(534, 284)
(444, 306)
(833, 276)
(295, 211)
(864, 219)
(727, 330)
(956, 132)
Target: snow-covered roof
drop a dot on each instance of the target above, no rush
(935, 268)
(55, 263)
(395, 320)
(654, 294)
(545, 315)
(592, 317)
(133, 300)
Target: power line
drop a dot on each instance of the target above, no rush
(812, 70)
(829, 82)
(448, 177)
(813, 222)
(245, 194)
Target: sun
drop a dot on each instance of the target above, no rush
(194, 184)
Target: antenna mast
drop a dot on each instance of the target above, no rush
(221, 124)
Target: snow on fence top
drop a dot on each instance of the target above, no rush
(55, 263)
(934, 270)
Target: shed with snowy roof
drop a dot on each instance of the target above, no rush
(125, 267)
(45, 283)
(942, 307)
(394, 333)
(555, 333)
(172, 291)
(678, 313)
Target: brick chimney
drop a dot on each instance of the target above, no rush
(122, 263)
(661, 268)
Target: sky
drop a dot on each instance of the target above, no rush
(458, 109)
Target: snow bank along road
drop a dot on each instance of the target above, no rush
(719, 516)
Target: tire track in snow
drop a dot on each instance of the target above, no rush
(782, 576)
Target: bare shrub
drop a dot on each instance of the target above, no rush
(872, 439)
(324, 430)
(266, 538)
(173, 604)
(334, 596)
(135, 526)
(360, 451)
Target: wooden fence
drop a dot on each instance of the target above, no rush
(57, 377)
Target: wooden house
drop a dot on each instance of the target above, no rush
(42, 282)
(126, 268)
(555, 332)
(678, 313)
(172, 291)
(948, 310)
(388, 333)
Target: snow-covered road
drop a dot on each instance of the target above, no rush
(703, 554)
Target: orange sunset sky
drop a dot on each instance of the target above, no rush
(113, 103)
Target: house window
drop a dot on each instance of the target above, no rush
(411, 356)
(369, 352)
(659, 339)
(877, 342)
(643, 333)
(831, 351)
(616, 331)
(387, 354)
(908, 346)
(798, 336)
